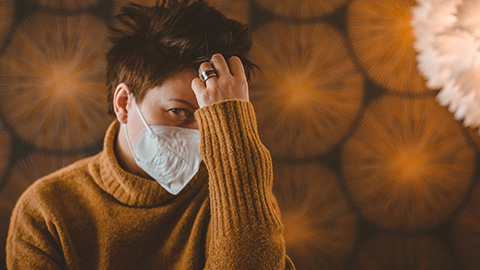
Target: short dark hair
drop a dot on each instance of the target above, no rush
(151, 44)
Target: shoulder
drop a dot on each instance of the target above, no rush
(59, 185)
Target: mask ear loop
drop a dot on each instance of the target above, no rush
(141, 115)
(125, 127)
(128, 141)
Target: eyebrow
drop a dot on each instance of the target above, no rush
(185, 102)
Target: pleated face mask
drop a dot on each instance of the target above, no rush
(169, 154)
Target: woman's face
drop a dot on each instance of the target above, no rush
(171, 104)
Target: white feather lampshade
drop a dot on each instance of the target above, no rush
(447, 39)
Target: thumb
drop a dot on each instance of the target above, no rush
(199, 88)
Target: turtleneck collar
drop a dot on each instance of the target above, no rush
(131, 189)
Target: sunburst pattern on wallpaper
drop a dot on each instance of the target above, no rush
(238, 10)
(304, 9)
(466, 233)
(234, 9)
(395, 253)
(6, 18)
(5, 149)
(67, 4)
(23, 174)
(319, 227)
(381, 37)
(407, 166)
(474, 136)
(308, 92)
(53, 84)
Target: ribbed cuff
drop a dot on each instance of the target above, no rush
(239, 165)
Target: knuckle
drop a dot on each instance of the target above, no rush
(216, 57)
(234, 58)
(204, 65)
(239, 80)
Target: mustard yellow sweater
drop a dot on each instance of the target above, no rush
(95, 215)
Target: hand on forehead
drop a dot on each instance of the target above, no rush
(230, 81)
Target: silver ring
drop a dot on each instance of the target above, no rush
(207, 74)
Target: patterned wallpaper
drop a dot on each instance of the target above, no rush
(370, 171)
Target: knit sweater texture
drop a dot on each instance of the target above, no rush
(95, 215)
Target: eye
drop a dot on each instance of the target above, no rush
(177, 111)
(182, 113)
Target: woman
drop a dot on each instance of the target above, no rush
(183, 181)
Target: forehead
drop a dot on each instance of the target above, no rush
(176, 86)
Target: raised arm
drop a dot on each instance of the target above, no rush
(245, 231)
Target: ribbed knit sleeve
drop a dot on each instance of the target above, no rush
(245, 231)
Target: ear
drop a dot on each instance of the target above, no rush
(121, 101)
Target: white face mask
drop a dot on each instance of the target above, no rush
(169, 154)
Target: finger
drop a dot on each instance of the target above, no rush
(212, 81)
(236, 67)
(197, 86)
(199, 89)
(204, 67)
(218, 62)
